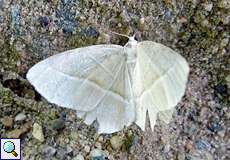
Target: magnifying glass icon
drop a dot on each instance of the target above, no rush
(9, 147)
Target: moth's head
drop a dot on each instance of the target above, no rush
(132, 41)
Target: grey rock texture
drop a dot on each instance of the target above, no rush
(199, 30)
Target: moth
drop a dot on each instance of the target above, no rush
(112, 84)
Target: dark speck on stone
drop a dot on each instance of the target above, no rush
(191, 130)
(168, 15)
(63, 115)
(67, 20)
(221, 89)
(58, 124)
(1, 19)
(68, 28)
(136, 140)
(90, 32)
(192, 114)
(44, 21)
(215, 126)
(16, 18)
(202, 145)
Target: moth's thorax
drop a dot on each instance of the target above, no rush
(130, 50)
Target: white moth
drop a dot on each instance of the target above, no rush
(112, 84)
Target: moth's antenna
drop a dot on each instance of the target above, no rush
(120, 34)
(133, 37)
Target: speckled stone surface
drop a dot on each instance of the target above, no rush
(199, 30)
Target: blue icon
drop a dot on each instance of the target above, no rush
(9, 147)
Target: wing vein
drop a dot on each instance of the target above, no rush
(164, 74)
(121, 97)
(107, 91)
(102, 66)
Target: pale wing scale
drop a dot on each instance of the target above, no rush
(114, 112)
(79, 78)
(163, 74)
(141, 112)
